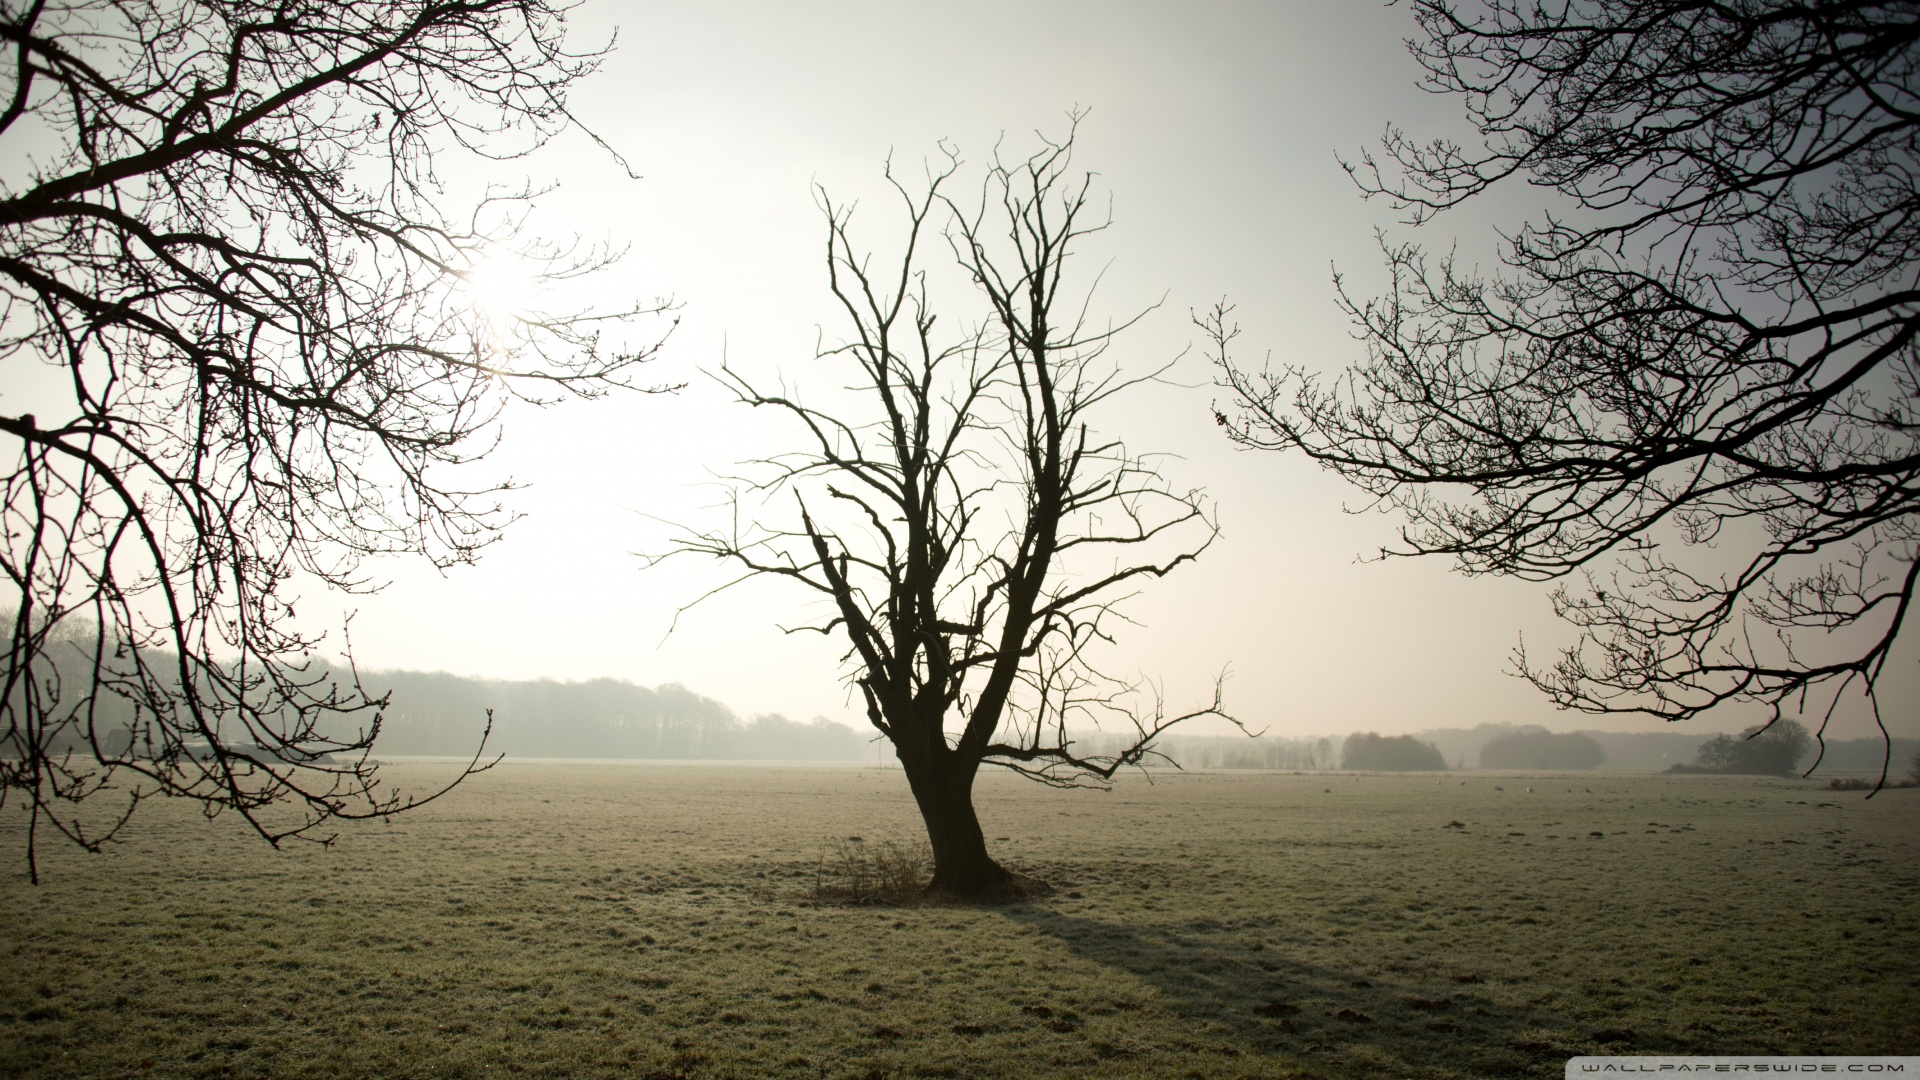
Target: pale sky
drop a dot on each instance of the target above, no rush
(1214, 126)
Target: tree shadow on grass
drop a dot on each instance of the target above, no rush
(1341, 1021)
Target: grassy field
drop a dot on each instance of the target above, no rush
(651, 921)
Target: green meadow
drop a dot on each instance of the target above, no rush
(657, 921)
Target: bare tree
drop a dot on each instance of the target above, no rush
(1710, 346)
(968, 528)
(252, 347)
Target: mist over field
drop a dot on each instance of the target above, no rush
(438, 714)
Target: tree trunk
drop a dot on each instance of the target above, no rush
(943, 786)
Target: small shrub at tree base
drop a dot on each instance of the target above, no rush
(887, 872)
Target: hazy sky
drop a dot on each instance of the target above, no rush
(1214, 126)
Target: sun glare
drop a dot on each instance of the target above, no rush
(499, 288)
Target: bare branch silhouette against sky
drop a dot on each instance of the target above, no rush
(1710, 349)
(1219, 129)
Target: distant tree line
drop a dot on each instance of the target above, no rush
(437, 713)
(441, 715)
(1542, 749)
(1762, 750)
(1373, 752)
(1228, 751)
(1501, 746)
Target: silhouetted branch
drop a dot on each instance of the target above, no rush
(1713, 344)
(227, 243)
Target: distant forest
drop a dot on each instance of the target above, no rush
(441, 715)
(1489, 746)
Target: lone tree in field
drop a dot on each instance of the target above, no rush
(241, 345)
(969, 527)
(1713, 344)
